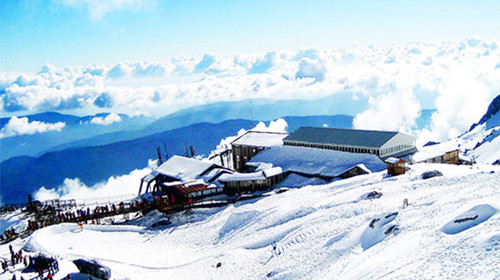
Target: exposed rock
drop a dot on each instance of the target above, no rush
(94, 268)
(492, 110)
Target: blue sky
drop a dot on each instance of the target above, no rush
(69, 32)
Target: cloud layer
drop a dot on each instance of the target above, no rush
(115, 188)
(109, 119)
(21, 126)
(458, 78)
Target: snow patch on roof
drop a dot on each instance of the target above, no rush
(320, 162)
(183, 168)
(433, 151)
(297, 181)
(392, 160)
(260, 139)
(242, 176)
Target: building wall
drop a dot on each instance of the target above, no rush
(397, 168)
(341, 148)
(243, 154)
(400, 144)
(247, 186)
(449, 157)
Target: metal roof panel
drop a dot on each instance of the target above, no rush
(338, 136)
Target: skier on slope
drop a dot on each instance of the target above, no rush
(274, 247)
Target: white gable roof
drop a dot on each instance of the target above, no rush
(183, 168)
(260, 139)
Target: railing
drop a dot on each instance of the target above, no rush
(94, 201)
(89, 201)
(208, 203)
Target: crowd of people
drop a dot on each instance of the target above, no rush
(46, 267)
(8, 235)
(48, 215)
(8, 208)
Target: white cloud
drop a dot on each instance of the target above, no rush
(109, 119)
(124, 186)
(311, 69)
(453, 71)
(393, 111)
(279, 125)
(97, 9)
(21, 126)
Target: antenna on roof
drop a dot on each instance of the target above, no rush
(158, 152)
(193, 151)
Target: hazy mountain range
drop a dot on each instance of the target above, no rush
(93, 152)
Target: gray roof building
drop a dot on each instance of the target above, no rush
(381, 143)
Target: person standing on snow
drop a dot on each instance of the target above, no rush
(40, 273)
(275, 246)
(11, 250)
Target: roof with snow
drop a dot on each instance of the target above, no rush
(318, 162)
(339, 136)
(392, 160)
(258, 175)
(297, 181)
(215, 173)
(433, 151)
(183, 168)
(260, 139)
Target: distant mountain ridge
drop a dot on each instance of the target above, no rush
(74, 135)
(76, 128)
(261, 109)
(23, 175)
(491, 115)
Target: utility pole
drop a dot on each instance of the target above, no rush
(158, 152)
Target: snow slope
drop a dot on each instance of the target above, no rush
(479, 144)
(321, 232)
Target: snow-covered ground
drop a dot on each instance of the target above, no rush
(449, 230)
(481, 144)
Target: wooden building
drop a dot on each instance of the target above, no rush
(381, 143)
(239, 183)
(245, 147)
(307, 165)
(181, 169)
(450, 157)
(395, 166)
(184, 193)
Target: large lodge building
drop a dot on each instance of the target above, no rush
(262, 160)
(381, 143)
